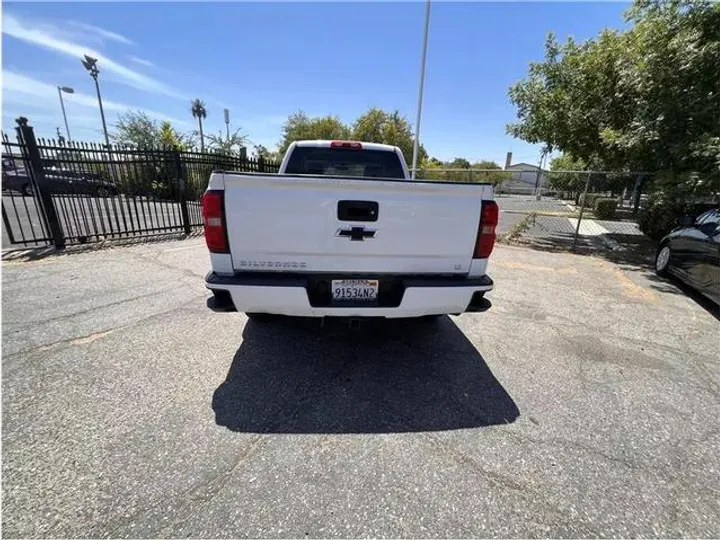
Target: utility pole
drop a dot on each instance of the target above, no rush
(538, 189)
(416, 142)
(227, 124)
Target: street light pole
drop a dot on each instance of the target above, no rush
(102, 112)
(68, 90)
(91, 66)
(416, 142)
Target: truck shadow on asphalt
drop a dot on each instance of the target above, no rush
(294, 376)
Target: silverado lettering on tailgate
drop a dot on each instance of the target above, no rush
(272, 264)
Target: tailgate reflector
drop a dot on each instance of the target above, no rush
(485, 240)
(213, 208)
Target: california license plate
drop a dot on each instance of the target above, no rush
(354, 290)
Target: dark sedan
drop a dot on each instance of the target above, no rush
(57, 181)
(692, 253)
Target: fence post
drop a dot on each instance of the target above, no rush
(637, 193)
(261, 164)
(37, 177)
(582, 208)
(183, 192)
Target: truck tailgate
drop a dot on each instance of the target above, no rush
(293, 223)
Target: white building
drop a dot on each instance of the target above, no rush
(524, 179)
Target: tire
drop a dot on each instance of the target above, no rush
(662, 259)
(103, 192)
(261, 317)
(27, 190)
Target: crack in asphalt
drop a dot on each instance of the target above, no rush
(69, 341)
(503, 481)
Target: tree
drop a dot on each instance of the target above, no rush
(170, 138)
(643, 99)
(262, 152)
(434, 169)
(137, 129)
(376, 125)
(198, 110)
(301, 127)
(457, 175)
(224, 145)
(487, 173)
(569, 182)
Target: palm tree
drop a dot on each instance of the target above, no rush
(197, 108)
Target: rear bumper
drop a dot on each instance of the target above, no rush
(301, 295)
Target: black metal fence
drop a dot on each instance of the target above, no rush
(58, 193)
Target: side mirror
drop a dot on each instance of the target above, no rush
(686, 221)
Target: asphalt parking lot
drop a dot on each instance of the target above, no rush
(585, 402)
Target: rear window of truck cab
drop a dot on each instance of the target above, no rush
(344, 162)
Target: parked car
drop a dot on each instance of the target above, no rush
(57, 180)
(691, 252)
(342, 231)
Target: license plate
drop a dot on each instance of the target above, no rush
(354, 290)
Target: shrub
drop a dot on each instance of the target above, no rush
(659, 215)
(589, 199)
(605, 208)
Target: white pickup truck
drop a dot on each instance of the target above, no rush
(342, 231)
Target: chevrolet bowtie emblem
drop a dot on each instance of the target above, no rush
(356, 234)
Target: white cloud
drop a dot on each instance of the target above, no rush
(142, 61)
(24, 91)
(51, 38)
(101, 32)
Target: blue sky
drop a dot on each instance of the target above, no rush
(265, 60)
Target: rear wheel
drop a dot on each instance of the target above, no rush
(103, 192)
(662, 260)
(27, 190)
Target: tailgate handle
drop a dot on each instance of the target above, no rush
(357, 211)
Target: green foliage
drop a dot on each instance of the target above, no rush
(605, 208)
(231, 146)
(170, 138)
(570, 182)
(589, 199)
(676, 195)
(494, 178)
(199, 111)
(138, 130)
(375, 125)
(661, 211)
(263, 153)
(379, 126)
(434, 169)
(642, 99)
(299, 126)
(135, 128)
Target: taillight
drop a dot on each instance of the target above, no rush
(214, 221)
(485, 240)
(346, 144)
